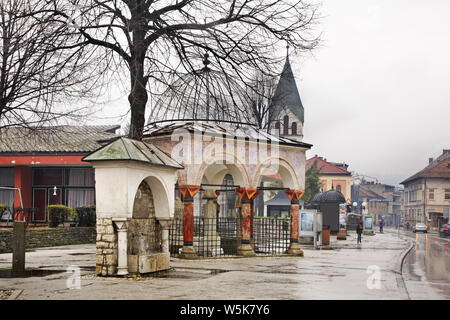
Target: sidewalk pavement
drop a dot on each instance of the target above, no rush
(348, 271)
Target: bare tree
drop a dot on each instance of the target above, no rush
(153, 40)
(42, 66)
(260, 97)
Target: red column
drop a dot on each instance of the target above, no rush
(22, 181)
(252, 219)
(188, 192)
(246, 194)
(294, 196)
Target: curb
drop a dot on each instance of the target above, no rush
(399, 267)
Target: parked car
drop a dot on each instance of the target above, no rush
(444, 230)
(420, 227)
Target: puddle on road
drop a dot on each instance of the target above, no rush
(8, 273)
(187, 273)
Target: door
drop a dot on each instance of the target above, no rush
(39, 204)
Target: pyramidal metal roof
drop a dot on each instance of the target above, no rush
(286, 93)
(129, 149)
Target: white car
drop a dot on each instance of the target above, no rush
(420, 227)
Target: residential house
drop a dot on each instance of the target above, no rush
(427, 193)
(332, 176)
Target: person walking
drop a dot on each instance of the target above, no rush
(359, 230)
(381, 225)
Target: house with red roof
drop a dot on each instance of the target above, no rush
(427, 193)
(332, 175)
(43, 167)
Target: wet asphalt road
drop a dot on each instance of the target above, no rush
(426, 269)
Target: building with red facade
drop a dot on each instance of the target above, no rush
(44, 167)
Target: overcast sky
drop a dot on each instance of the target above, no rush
(377, 92)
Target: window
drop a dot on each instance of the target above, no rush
(277, 125)
(6, 177)
(7, 197)
(80, 197)
(339, 188)
(286, 125)
(48, 176)
(75, 186)
(294, 128)
(7, 181)
(447, 194)
(80, 177)
(431, 194)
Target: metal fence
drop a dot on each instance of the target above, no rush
(271, 235)
(220, 237)
(212, 237)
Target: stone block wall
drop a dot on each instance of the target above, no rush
(49, 237)
(106, 261)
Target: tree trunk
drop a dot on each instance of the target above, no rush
(138, 98)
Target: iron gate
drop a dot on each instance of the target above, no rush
(219, 237)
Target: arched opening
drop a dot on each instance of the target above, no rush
(227, 199)
(294, 128)
(144, 231)
(286, 125)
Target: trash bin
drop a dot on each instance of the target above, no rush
(326, 235)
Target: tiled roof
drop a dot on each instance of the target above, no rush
(439, 168)
(228, 129)
(367, 193)
(326, 167)
(70, 139)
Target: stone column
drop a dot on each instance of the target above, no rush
(188, 193)
(18, 262)
(210, 228)
(165, 224)
(122, 267)
(294, 196)
(246, 194)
